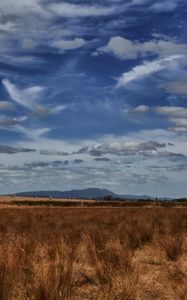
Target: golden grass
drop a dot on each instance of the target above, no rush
(95, 253)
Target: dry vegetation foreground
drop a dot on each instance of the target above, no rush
(98, 253)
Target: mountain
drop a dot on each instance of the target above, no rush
(85, 193)
(136, 197)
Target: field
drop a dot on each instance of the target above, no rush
(93, 253)
(21, 201)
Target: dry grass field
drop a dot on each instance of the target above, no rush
(8, 199)
(93, 253)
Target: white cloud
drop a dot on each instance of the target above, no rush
(120, 47)
(121, 148)
(179, 86)
(179, 122)
(24, 97)
(58, 108)
(75, 10)
(69, 44)
(146, 69)
(141, 109)
(174, 114)
(168, 111)
(172, 111)
(127, 49)
(179, 129)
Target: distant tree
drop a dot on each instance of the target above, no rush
(108, 198)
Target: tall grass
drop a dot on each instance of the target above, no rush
(82, 254)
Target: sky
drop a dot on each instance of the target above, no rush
(94, 94)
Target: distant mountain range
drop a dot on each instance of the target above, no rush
(89, 193)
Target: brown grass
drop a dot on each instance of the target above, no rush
(98, 253)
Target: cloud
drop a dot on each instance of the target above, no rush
(69, 10)
(28, 44)
(102, 159)
(120, 47)
(179, 129)
(5, 121)
(7, 27)
(21, 7)
(14, 150)
(37, 164)
(42, 165)
(146, 178)
(43, 111)
(171, 111)
(179, 122)
(170, 156)
(141, 109)
(46, 164)
(176, 87)
(78, 161)
(127, 49)
(164, 6)
(53, 152)
(176, 168)
(21, 60)
(121, 148)
(32, 133)
(24, 97)
(65, 45)
(40, 111)
(58, 108)
(174, 114)
(5, 105)
(146, 69)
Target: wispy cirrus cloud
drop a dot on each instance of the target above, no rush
(32, 133)
(147, 68)
(40, 111)
(24, 97)
(30, 99)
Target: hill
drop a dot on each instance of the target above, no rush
(82, 194)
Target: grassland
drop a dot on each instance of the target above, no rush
(93, 253)
(21, 201)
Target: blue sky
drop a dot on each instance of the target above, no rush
(93, 94)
